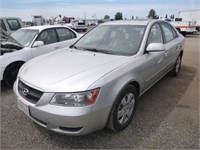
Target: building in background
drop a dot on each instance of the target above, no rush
(38, 20)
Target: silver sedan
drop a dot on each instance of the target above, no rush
(97, 81)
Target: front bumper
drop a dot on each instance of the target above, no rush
(66, 120)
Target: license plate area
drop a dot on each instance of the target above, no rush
(23, 107)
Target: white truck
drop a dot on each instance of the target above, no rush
(185, 27)
(10, 24)
(191, 15)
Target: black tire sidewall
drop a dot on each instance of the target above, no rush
(173, 72)
(176, 72)
(7, 74)
(126, 90)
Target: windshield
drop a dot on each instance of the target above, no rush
(24, 36)
(113, 39)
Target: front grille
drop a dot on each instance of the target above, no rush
(28, 93)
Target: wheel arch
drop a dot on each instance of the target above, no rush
(19, 61)
(131, 82)
(136, 85)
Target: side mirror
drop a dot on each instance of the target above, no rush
(155, 47)
(38, 43)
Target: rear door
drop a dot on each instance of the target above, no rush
(172, 44)
(66, 37)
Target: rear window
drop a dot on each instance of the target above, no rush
(65, 34)
(13, 24)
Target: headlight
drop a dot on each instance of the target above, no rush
(75, 99)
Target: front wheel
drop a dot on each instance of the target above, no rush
(123, 110)
(10, 73)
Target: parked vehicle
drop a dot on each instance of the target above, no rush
(185, 27)
(191, 15)
(11, 24)
(97, 81)
(30, 42)
(78, 25)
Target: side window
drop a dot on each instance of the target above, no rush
(168, 32)
(48, 36)
(174, 33)
(3, 26)
(13, 24)
(155, 35)
(65, 34)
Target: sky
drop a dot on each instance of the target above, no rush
(26, 9)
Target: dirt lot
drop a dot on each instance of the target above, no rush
(167, 117)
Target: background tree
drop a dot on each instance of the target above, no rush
(152, 14)
(166, 16)
(118, 16)
(106, 17)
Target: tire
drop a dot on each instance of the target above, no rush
(183, 33)
(10, 73)
(176, 69)
(123, 109)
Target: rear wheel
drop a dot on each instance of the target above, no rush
(10, 73)
(123, 109)
(175, 70)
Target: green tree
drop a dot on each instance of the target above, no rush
(152, 14)
(118, 16)
(106, 17)
(166, 16)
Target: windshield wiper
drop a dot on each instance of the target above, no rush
(91, 49)
(73, 46)
(99, 50)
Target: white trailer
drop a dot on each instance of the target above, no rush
(38, 20)
(185, 27)
(191, 15)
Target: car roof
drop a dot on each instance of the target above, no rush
(40, 28)
(10, 18)
(143, 22)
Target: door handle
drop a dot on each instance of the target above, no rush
(166, 53)
(57, 47)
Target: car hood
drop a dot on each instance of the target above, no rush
(8, 44)
(69, 70)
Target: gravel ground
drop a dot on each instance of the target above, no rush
(167, 117)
